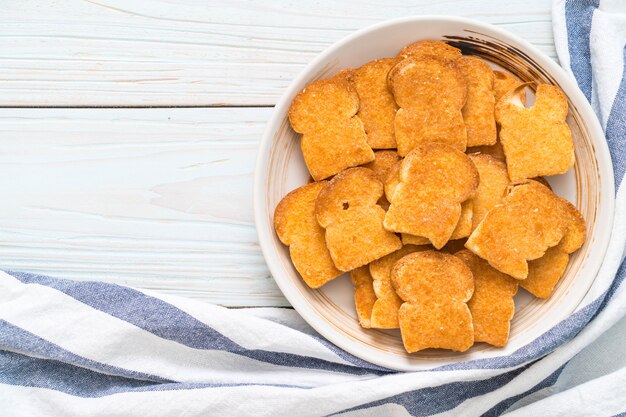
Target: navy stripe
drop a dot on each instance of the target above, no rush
(616, 130)
(17, 339)
(17, 369)
(168, 322)
(578, 15)
(434, 400)
(504, 405)
(25, 371)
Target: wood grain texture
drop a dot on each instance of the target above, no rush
(152, 198)
(162, 198)
(157, 52)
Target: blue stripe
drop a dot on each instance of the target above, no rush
(17, 369)
(578, 15)
(168, 322)
(617, 282)
(102, 295)
(434, 400)
(504, 405)
(21, 370)
(14, 338)
(616, 130)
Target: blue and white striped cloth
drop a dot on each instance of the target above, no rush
(88, 348)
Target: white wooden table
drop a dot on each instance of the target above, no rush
(128, 130)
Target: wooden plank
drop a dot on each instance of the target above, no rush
(152, 198)
(148, 52)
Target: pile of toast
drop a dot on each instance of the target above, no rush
(427, 186)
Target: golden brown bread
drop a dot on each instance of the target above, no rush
(297, 227)
(431, 93)
(435, 288)
(536, 141)
(434, 180)
(462, 230)
(479, 109)
(495, 151)
(383, 162)
(346, 74)
(505, 82)
(385, 311)
(377, 106)
(493, 186)
(545, 272)
(333, 137)
(491, 304)
(381, 166)
(430, 48)
(392, 180)
(364, 296)
(463, 227)
(346, 208)
(528, 221)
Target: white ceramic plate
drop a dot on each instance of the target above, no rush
(280, 168)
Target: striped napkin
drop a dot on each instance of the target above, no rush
(90, 349)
